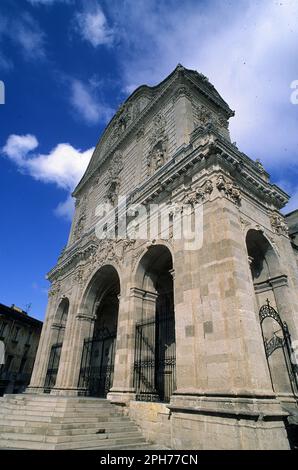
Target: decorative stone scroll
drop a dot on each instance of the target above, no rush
(206, 117)
(199, 194)
(229, 189)
(54, 289)
(279, 225)
(108, 250)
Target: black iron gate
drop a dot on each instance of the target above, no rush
(282, 341)
(53, 366)
(97, 365)
(155, 359)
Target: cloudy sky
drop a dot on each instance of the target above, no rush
(68, 64)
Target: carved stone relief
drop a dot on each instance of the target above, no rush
(198, 194)
(113, 179)
(229, 189)
(204, 117)
(158, 142)
(279, 225)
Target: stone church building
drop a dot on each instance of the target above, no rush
(192, 342)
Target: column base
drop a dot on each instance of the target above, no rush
(219, 422)
(121, 396)
(69, 392)
(34, 390)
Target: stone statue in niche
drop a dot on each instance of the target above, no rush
(113, 180)
(156, 158)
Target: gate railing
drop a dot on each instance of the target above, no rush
(276, 342)
(53, 367)
(155, 360)
(97, 364)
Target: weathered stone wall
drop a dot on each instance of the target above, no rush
(154, 420)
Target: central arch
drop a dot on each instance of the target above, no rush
(101, 302)
(155, 347)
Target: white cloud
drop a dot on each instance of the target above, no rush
(65, 209)
(84, 100)
(18, 146)
(47, 2)
(64, 165)
(251, 63)
(5, 63)
(24, 32)
(27, 33)
(93, 28)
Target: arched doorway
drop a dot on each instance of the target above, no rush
(269, 281)
(97, 364)
(155, 349)
(57, 341)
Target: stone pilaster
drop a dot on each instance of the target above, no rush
(183, 116)
(46, 341)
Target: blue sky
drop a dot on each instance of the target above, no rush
(68, 64)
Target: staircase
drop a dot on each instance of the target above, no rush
(53, 423)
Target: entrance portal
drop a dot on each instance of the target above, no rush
(155, 351)
(97, 365)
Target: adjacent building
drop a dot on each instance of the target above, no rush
(19, 333)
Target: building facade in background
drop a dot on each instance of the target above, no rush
(19, 334)
(187, 317)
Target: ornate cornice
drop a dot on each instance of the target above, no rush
(71, 257)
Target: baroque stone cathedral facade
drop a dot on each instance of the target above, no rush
(195, 345)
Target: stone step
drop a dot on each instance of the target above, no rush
(65, 423)
(105, 445)
(30, 445)
(59, 407)
(140, 446)
(57, 423)
(53, 421)
(25, 429)
(78, 438)
(59, 413)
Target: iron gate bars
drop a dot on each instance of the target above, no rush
(97, 364)
(155, 359)
(53, 366)
(275, 342)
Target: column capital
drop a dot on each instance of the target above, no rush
(85, 317)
